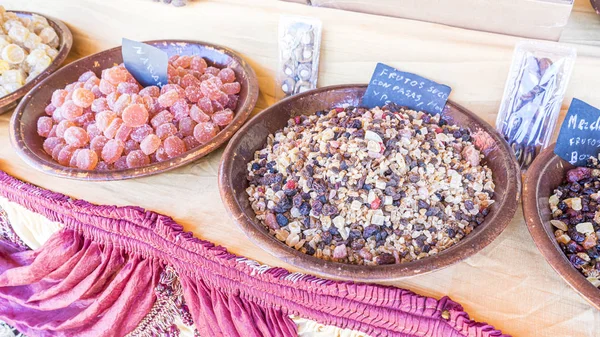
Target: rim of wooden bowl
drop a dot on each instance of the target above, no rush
(484, 234)
(536, 209)
(41, 161)
(66, 42)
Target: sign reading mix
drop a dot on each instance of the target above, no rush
(579, 136)
(389, 85)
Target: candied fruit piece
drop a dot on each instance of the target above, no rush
(73, 161)
(227, 75)
(128, 88)
(121, 103)
(131, 145)
(135, 115)
(204, 132)
(104, 118)
(82, 97)
(137, 158)
(168, 98)
(86, 76)
(71, 111)
(150, 144)
(86, 119)
(171, 86)
(138, 134)
(211, 88)
(223, 100)
(231, 88)
(190, 142)
(123, 133)
(96, 90)
(76, 136)
(87, 159)
(106, 87)
(161, 118)
(111, 99)
(115, 75)
(186, 126)
(205, 77)
(223, 118)
(112, 151)
(166, 130)
(174, 146)
(113, 127)
(65, 154)
(206, 105)
(152, 91)
(121, 163)
(136, 99)
(198, 64)
(91, 83)
(183, 61)
(51, 143)
(97, 143)
(217, 106)
(193, 93)
(56, 151)
(171, 72)
(44, 126)
(58, 97)
(161, 154)
(49, 110)
(189, 80)
(102, 166)
(99, 104)
(57, 115)
(62, 127)
(198, 115)
(212, 70)
(232, 103)
(180, 109)
(53, 131)
(92, 130)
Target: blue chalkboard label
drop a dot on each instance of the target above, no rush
(147, 64)
(390, 85)
(579, 136)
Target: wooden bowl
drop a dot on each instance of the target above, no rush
(252, 137)
(28, 143)
(545, 174)
(66, 42)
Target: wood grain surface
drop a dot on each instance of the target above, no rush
(508, 284)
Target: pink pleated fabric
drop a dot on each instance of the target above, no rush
(96, 278)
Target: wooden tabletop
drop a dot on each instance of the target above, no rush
(508, 284)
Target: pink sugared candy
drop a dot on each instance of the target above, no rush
(104, 119)
(137, 158)
(44, 126)
(135, 115)
(51, 143)
(204, 132)
(166, 130)
(227, 75)
(87, 159)
(76, 136)
(223, 118)
(138, 134)
(64, 156)
(83, 98)
(150, 144)
(174, 146)
(112, 150)
(71, 111)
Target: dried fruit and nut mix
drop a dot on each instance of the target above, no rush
(27, 47)
(113, 123)
(575, 209)
(377, 186)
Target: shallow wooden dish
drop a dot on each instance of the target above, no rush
(66, 42)
(28, 143)
(241, 148)
(543, 176)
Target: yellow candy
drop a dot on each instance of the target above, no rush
(48, 35)
(34, 56)
(3, 92)
(13, 76)
(10, 87)
(4, 66)
(42, 63)
(32, 41)
(18, 33)
(13, 54)
(33, 75)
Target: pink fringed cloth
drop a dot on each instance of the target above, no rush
(104, 272)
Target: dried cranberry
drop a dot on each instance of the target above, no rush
(375, 203)
(578, 174)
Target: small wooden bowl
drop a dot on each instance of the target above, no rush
(28, 143)
(252, 137)
(545, 174)
(66, 42)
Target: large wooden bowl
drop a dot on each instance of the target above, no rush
(545, 174)
(241, 148)
(65, 43)
(28, 143)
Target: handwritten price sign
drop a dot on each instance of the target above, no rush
(146, 63)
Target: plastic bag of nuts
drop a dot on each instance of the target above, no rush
(533, 95)
(299, 44)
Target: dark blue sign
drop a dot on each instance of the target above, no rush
(579, 136)
(390, 85)
(147, 64)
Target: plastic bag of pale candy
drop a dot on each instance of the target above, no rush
(299, 44)
(533, 95)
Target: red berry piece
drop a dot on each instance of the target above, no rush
(227, 75)
(174, 146)
(135, 115)
(204, 132)
(76, 136)
(231, 88)
(150, 144)
(104, 118)
(161, 118)
(151, 91)
(87, 159)
(138, 134)
(58, 97)
(168, 98)
(113, 127)
(198, 64)
(375, 203)
(112, 151)
(137, 158)
(223, 118)
(44, 126)
(83, 98)
(51, 143)
(62, 127)
(166, 130)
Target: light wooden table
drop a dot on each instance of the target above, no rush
(508, 284)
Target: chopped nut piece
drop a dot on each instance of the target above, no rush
(573, 203)
(585, 228)
(559, 224)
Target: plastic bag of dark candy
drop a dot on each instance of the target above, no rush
(533, 95)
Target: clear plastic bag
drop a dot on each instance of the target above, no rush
(299, 45)
(535, 88)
